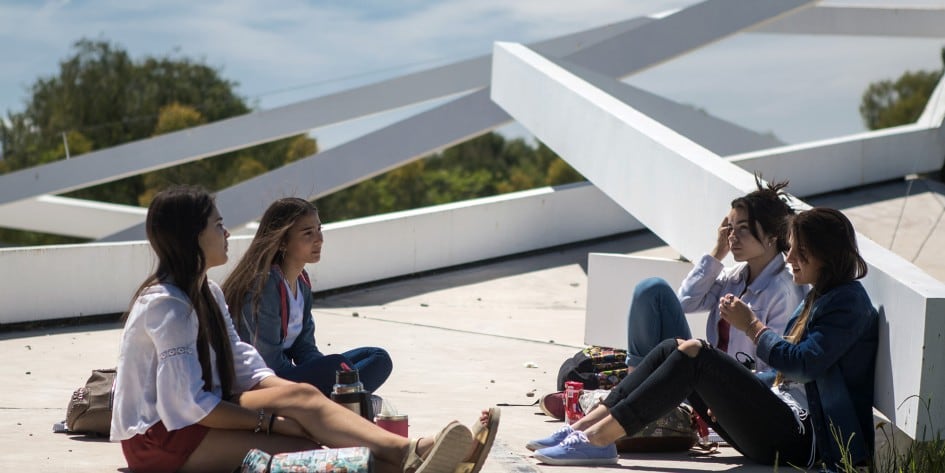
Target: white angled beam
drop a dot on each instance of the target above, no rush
(693, 27)
(261, 127)
(72, 217)
(99, 278)
(680, 191)
(906, 21)
(850, 161)
(721, 137)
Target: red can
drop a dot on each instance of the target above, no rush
(392, 423)
(572, 406)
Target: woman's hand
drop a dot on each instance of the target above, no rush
(721, 248)
(737, 313)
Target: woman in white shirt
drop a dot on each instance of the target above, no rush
(190, 396)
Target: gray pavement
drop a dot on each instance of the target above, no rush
(461, 340)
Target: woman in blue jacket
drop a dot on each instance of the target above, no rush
(269, 294)
(822, 394)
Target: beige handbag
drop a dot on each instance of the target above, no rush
(90, 408)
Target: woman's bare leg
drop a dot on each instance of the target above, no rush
(328, 423)
(223, 450)
(596, 415)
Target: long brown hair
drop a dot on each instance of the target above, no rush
(250, 274)
(825, 235)
(176, 217)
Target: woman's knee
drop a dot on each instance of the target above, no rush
(690, 347)
(652, 287)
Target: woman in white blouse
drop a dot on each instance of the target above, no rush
(190, 396)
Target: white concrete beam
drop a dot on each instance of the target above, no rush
(264, 126)
(850, 161)
(696, 26)
(719, 136)
(99, 278)
(71, 217)
(469, 116)
(926, 21)
(679, 190)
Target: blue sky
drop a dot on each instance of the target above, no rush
(798, 87)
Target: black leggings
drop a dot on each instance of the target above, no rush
(751, 418)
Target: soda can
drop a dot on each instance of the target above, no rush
(392, 423)
(572, 397)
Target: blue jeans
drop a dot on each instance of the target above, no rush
(373, 364)
(655, 315)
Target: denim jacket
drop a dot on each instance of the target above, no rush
(266, 330)
(835, 359)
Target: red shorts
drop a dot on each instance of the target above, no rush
(159, 451)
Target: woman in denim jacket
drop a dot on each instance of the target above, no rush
(822, 395)
(270, 296)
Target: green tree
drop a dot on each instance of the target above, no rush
(483, 166)
(102, 98)
(898, 102)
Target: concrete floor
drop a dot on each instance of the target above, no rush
(461, 340)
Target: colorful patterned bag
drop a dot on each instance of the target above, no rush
(324, 460)
(595, 366)
(674, 432)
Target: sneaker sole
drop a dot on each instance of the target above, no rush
(536, 446)
(576, 462)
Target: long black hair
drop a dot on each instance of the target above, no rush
(176, 217)
(768, 207)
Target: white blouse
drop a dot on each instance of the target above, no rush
(159, 375)
(296, 308)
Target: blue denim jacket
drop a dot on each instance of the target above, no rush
(266, 329)
(835, 359)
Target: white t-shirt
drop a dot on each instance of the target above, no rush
(296, 307)
(159, 375)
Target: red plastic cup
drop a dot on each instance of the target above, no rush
(396, 423)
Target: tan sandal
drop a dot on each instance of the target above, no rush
(448, 450)
(484, 435)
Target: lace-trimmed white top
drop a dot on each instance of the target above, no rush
(159, 375)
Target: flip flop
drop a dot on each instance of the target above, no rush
(448, 451)
(484, 437)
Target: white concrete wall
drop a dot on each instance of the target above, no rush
(611, 279)
(41, 283)
(680, 190)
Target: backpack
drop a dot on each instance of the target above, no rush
(90, 408)
(595, 366)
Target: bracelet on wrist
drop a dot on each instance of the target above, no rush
(260, 415)
(758, 334)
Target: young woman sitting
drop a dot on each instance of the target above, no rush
(270, 298)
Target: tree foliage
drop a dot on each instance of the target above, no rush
(484, 166)
(102, 98)
(898, 102)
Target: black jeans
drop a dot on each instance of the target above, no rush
(750, 417)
